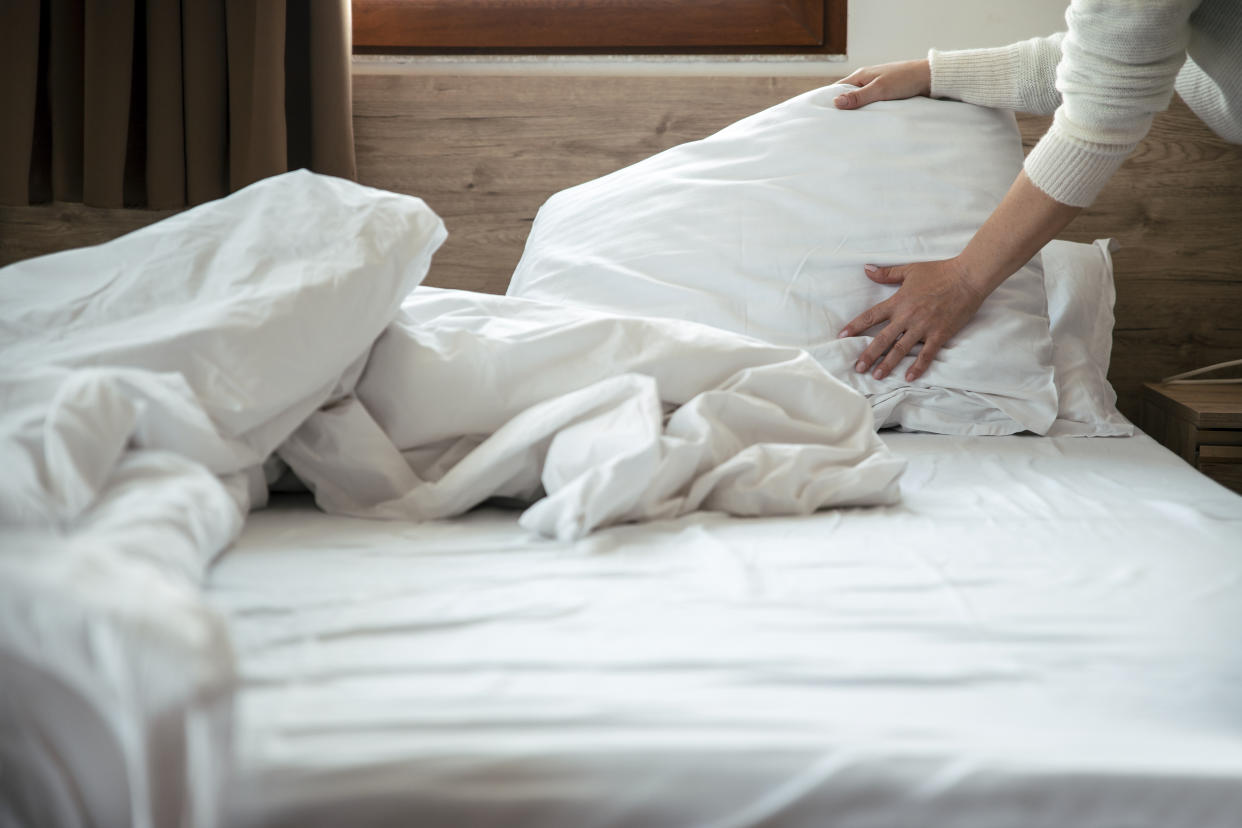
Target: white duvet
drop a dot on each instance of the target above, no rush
(598, 419)
(147, 383)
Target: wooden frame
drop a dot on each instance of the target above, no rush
(571, 26)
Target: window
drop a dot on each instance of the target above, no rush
(584, 26)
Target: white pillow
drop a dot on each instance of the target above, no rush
(1079, 282)
(764, 228)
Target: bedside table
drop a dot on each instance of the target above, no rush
(1202, 423)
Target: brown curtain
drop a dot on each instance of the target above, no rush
(163, 103)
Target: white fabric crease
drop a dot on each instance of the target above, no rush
(142, 383)
(469, 396)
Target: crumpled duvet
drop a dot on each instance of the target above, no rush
(147, 386)
(142, 384)
(595, 418)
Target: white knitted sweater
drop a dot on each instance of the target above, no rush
(1105, 79)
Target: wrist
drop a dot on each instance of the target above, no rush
(976, 274)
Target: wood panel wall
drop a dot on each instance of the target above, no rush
(485, 152)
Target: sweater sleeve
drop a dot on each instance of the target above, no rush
(1119, 61)
(1021, 76)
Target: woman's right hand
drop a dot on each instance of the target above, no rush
(886, 82)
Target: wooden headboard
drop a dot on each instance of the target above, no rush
(485, 152)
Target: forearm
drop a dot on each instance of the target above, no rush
(1026, 220)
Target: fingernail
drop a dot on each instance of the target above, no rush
(879, 374)
(839, 100)
(844, 333)
(909, 376)
(870, 268)
(860, 366)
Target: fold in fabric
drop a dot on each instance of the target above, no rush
(143, 383)
(468, 396)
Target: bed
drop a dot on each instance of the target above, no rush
(1037, 631)
(1071, 661)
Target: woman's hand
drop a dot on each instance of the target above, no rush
(936, 299)
(887, 82)
(934, 302)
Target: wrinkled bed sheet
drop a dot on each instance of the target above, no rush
(1043, 632)
(151, 388)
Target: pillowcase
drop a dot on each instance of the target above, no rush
(1078, 279)
(764, 228)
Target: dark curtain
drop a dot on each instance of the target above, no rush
(163, 103)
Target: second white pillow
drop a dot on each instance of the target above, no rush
(1079, 282)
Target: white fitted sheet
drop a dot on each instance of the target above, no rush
(1044, 632)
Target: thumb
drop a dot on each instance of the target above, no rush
(884, 275)
(863, 96)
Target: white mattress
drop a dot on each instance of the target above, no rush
(1046, 632)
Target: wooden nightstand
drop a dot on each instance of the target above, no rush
(1202, 423)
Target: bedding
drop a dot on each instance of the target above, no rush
(1079, 283)
(1042, 632)
(153, 387)
(593, 418)
(144, 382)
(514, 668)
(764, 228)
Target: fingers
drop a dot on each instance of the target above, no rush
(879, 313)
(897, 353)
(883, 341)
(866, 319)
(925, 357)
(869, 91)
(849, 100)
(870, 88)
(885, 275)
(859, 77)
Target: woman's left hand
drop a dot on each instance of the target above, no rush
(934, 302)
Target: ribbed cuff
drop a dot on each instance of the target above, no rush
(987, 77)
(1071, 171)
